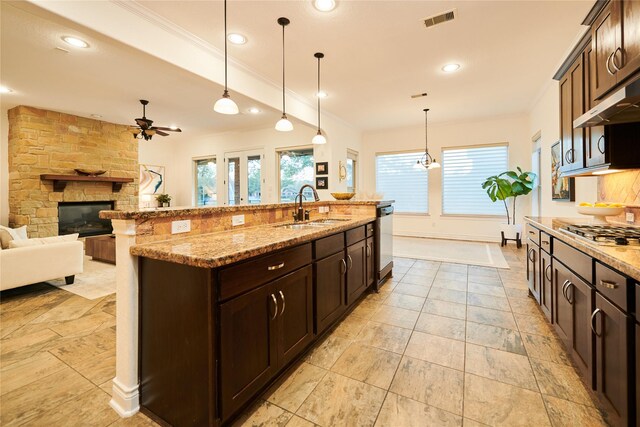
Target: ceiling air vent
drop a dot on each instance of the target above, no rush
(440, 18)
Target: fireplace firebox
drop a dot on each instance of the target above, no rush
(83, 218)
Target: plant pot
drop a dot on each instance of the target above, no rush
(165, 205)
(511, 231)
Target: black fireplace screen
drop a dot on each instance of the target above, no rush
(82, 217)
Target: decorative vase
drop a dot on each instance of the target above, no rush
(165, 204)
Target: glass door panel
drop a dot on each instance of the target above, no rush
(244, 177)
(233, 181)
(254, 179)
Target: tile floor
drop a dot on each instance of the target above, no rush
(441, 344)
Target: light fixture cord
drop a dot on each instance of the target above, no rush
(283, 100)
(225, 45)
(318, 94)
(426, 128)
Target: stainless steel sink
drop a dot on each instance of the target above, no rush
(298, 226)
(329, 221)
(318, 223)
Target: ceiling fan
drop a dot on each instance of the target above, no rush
(145, 129)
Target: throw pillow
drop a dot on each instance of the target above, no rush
(43, 240)
(5, 238)
(19, 233)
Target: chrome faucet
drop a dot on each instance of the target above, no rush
(300, 214)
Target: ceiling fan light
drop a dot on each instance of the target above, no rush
(433, 165)
(150, 132)
(319, 139)
(225, 105)
(284, 125)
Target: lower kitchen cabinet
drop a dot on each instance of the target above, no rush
(533, 269)
(546, 281)
(371, 267)
(356, 270)
(295, 327)
(611, 328)
(637, 369)
(330, 298)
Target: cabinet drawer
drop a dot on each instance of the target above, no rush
(612, 285)
(577, 261)
(328, 246)
(370, 229)
(250, 274)
(545, 242)
(355, 235)
(533, 234)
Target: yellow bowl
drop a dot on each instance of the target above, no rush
(343, 196)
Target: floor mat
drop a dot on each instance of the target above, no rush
(96, 281)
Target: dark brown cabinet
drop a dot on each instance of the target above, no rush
(533, 269)
(295, 327)
(330, 298)
(594, 140)
(604, 43)
(546, 285)
(356, 271)
(611, 327)
(371, 267)
(637, 371)
(572, 107)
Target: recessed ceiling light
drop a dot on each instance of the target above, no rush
(173, 127)
(236, 38)
(322, 94)
(324, 5)
(96, 116)
(4, 89)
(74, 41)
(450, 68)
(254, 110)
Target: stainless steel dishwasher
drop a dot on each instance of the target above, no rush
(384, 247)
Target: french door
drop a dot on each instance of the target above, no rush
(243, 177)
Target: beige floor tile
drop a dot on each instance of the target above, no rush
(453, 284)
(422, 280)
(500, 404)
(478, 271)
(468, 422)
(91, 408)
(24, 346)
(366, 308)
(296, 421)
(296, 387)
(342, 401)
(326, 353)
(527, 306)
(560, 381)
(429, 383)
(396, 316)
(107, 386)
(488, 301)
(485, 280)
(73, 308)
(84, 325)
(409, 302)
(517, 293)
(401, 411)
(138, 420)
(386, 337)
(445, 308)
(487, 316)
(500, 365)
(565, 413)
(403, 262)
(450, 295)
(370, 365)
(415, 290)
(435, 349)
(451, 275)
(421, 273)
(423, 263)
(350, 327)
(442, 326)
(495, 337)
(494, 291)
(400, 269)
(545, 348)
(26, 371)
(98, 368)
(453, 268)
(74, 351)
(264, 414)
(537, 324)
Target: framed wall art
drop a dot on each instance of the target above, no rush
(151, 179)
(322, 168)
(322, 183)
(562, 188)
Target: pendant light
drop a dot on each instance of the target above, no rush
(225, 105)
(427, 161)
(319, 138)
(283, 125)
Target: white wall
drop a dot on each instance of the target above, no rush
(513, 130)
(4, 168)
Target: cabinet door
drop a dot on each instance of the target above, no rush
(610, 326)
(562, 310)
(637, 371)
(627, 58)
(248, 347)
(295, 317)
(371, 267)
(546, 287)
(604, 40)
(580, 297)
(594, 144)
(356, 271)
(533, 270)
(329, 290)
(566, 124)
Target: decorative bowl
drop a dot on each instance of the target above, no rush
(600, 213)
(90, 172)
(343, 196)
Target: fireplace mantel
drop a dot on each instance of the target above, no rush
(60, 181)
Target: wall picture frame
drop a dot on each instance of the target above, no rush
(562, 188)
(152, 179)
(322, 168)
(322, 183)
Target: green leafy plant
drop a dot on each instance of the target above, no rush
(509, 184)
(163, 198)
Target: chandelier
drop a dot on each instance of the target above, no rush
(427, 161)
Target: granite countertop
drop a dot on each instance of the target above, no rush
(227, 247)
(623, 259)
(209, 210)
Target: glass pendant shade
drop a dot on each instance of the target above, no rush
(433, 165)
(319, 138)
(284, 125)
(225, 105)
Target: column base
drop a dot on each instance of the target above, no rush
(124, 400)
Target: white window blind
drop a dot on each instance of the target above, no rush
(463, 172)
(399, 178)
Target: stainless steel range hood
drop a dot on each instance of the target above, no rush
(622, 106)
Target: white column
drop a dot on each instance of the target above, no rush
(125, 398)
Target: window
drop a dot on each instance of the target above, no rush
(296, 169)
(205, 181)
(352, 171)
(244, 177)
(400, 178)
(463, 172)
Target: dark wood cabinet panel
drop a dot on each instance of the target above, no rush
(330, 301)
(604, 42)
(572, 107)
(580, 296)
(355, 235)
(627, 56)
(577, 261)
(613, 285)
(328, 246)
(637, 374)
(356, 271)
(295, 327)
(563, 312)
(533, 269)
(371, 267)
(533, 234)
(594, 140)
(611, 328)
(546, 285)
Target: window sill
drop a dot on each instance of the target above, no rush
(473, 216)
(411, 214)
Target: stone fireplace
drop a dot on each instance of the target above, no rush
(48, 142)
(83, 218)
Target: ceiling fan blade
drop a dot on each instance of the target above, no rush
(167, 129)
(144, 123)
(161, 133)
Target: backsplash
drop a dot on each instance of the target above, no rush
(623, 187)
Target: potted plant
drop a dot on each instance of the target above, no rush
(505, 185)
(163, 200)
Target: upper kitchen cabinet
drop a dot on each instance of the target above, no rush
(615, 38)
(571, 107)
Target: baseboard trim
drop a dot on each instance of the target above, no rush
(125, 400)
(464, 237)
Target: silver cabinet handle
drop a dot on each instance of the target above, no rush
(601, 150)
(343, 269)
(350, 261)
(570, 300)
(368, 251)
(593, 316)
(607, 64)
(544, 242)
(564, 289)
(275, 267)
(613, 58)
(284, 303)
(607, 284)
(532, 255)
(532, 232)
(546, 272)
(275, 312)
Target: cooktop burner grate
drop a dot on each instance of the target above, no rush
(607, 234)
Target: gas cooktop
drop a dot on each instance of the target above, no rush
(607, 235)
